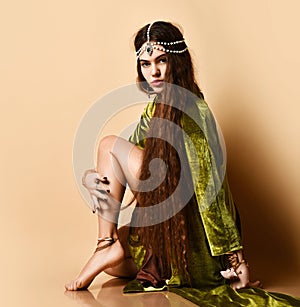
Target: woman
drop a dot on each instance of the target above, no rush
(192, 240)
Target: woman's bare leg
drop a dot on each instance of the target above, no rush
(119, 161)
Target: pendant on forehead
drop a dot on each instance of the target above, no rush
(149, 49)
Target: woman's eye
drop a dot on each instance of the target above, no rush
(144, 64)
(163, 60)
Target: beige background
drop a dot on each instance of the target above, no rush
(58, 57)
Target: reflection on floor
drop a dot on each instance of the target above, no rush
(106, 291)
(109, 294)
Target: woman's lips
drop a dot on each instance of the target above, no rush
(157, 83)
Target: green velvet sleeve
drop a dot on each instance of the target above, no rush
(138, 137)
(218, 213)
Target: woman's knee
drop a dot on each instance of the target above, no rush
(107, 143)
(127, 156)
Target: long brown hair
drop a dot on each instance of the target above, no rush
(168, 239)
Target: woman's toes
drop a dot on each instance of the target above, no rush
(67, 286)
(228, 274)
(78, 285)
(256, 284)
(71, 286)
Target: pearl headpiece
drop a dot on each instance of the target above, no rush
(149, 46)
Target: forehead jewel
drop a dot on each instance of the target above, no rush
(162, 46)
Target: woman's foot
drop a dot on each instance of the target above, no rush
(238, 273)
(240, 280)
(106, 256)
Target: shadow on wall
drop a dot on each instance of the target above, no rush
(261, 195)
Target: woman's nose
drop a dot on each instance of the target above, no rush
(155, 70)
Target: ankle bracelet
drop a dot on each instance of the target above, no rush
(235, 263)
(110, 241)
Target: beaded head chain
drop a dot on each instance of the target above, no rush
(149, 46)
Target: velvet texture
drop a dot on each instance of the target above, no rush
(213, 229)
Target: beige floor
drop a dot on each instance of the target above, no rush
(105, 291)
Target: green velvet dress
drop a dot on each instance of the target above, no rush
(213, 225)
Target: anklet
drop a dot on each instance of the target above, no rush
(235, 263)
(110, 241)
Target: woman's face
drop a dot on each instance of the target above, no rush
(153, 68)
